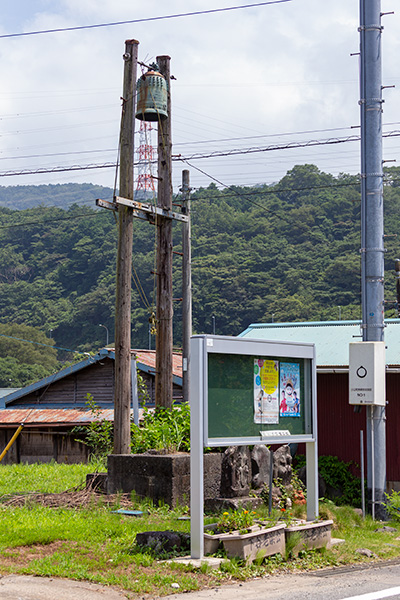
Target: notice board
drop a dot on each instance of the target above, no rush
(257, 391)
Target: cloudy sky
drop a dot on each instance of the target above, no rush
(251, 78)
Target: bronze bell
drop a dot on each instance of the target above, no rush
(151, 90)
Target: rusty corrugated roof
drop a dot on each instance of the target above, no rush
(52, 416)
(148, 357)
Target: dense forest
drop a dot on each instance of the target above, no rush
(285, 252)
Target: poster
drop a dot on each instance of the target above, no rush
(266, 386)
(289, 390)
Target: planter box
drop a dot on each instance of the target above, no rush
(313, 535)
(260, 541)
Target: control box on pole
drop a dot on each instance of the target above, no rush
(367, 373)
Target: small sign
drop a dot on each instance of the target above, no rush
(367, 373)
(276, 433)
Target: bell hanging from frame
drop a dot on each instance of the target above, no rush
(151, 93)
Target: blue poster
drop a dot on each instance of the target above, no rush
(289, 390)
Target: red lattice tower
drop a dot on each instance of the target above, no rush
(146, 154)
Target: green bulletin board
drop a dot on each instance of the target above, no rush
(256, 396)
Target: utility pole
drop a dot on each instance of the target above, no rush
(122, 396)
(372, 250)
(186, 285)
(164, 337)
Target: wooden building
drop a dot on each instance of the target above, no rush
(53, 406)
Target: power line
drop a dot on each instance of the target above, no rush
(159, 18)
(43, 222)
(235, 193)
(52, 154)
(215, 154)
(238, 194)
(288, 146)
(42, 170)
(261, 136)
(10, 337)
(294, 189)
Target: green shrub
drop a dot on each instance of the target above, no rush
(393, 505)
(98, 434)
(163, 429)
(337, 476)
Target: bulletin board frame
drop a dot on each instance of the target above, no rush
(207, 389)
(229, 387)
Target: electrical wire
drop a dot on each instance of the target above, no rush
(42, 170)
(243, 194)
(10, 337)
(215, 154)
(238, 194)
(43, 222)
(144, 20)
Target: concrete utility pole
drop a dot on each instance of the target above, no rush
(164, 338)
(372, 250)
(122, 397)
(186, 285)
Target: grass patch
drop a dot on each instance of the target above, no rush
(43, 477)
(92, 543)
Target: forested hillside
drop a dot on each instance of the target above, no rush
(288, 252)
(63, 195)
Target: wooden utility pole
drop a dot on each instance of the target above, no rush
(122, 396)
(186, 285)
(164, 338)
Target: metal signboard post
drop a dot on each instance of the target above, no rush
(246, 392)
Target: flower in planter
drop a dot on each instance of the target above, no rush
(287, 517)
(298, 497)
(236, 520)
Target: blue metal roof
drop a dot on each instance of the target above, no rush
(4, 392)
(331, 338)
(52, 378)
(103, 353)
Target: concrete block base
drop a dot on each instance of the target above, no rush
(163, 477)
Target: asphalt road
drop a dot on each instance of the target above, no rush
(333, 584)
(19, 587)
(372, 582)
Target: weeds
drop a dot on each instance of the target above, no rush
(342, 486)
(166, 429)
(94, 544)
(392, 505)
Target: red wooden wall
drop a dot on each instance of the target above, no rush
(339, 426)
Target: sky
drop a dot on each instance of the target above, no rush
(251, 78)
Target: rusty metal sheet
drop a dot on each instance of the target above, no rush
(148, 357)
(50, 416)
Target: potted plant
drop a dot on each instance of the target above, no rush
(245, 537)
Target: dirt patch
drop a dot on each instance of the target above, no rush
(23, 555)
(74, 498)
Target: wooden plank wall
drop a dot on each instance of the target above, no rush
(43, 445)
(96, 379)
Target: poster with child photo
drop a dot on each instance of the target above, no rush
(289, 390)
